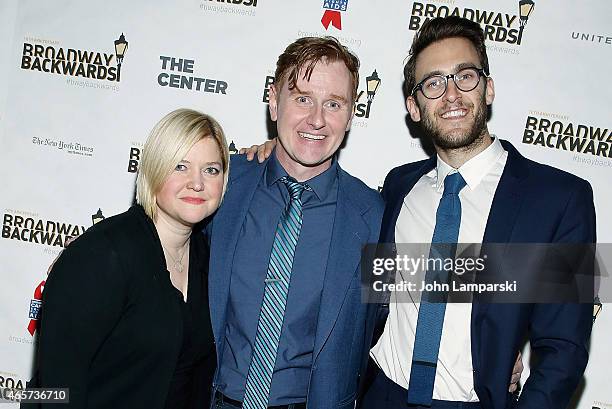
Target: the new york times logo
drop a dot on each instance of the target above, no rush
(363, 103)
(498, 27)
(73, 62)
(568, 136)
(68, 147)
(183, 65)
(33, 230)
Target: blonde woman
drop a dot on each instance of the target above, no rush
(125, 321)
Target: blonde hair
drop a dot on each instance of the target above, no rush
(168, 143)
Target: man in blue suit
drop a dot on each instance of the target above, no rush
(284, 279)
(501, 197)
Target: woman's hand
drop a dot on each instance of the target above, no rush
(263, 151)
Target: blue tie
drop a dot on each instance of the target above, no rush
(272, 311)
(433, 305)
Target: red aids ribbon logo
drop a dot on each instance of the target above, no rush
(333, 17)
(35, 305)
(332, 13)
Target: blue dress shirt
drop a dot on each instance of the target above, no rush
(251, 257)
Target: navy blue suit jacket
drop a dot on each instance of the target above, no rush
(344, 327)
(533, 203)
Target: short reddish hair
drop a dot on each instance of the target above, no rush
(306, 52)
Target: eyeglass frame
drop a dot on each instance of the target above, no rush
(419, 86)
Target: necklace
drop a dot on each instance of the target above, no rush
(177, 262)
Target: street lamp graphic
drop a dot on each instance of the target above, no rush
(97, 217)
(120, 48)
(596, 308)
(525, 9)
(372, 83)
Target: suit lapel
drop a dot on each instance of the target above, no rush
(505, 208)
(395, 198)
(226, 228)
(508, 198)
(349, 233)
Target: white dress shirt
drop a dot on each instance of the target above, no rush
(415, 224)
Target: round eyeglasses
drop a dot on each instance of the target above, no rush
(435, 86)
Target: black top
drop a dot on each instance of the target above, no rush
(196, 351)
(112, 327)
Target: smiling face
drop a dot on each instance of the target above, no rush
(456, 120)
(312, 118)
(193, 190)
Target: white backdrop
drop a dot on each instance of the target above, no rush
(70, 143)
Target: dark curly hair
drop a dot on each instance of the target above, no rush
(441, 28)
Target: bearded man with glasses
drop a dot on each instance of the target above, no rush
(476, 189)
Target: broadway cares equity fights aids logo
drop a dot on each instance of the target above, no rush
(332, 14)
(36, 301)
(498, 27)
(73, 62)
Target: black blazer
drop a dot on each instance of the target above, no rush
(111, 326)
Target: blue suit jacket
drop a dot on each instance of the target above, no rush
(534, 203)
(342, 337)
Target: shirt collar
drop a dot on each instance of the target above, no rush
(321, 184)
(475, 169)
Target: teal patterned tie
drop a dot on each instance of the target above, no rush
(272, 311)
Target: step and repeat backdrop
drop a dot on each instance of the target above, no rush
(84, 82)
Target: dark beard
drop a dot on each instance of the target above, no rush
(465, 140)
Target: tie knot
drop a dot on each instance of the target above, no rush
(453, 184)
(295, 188)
